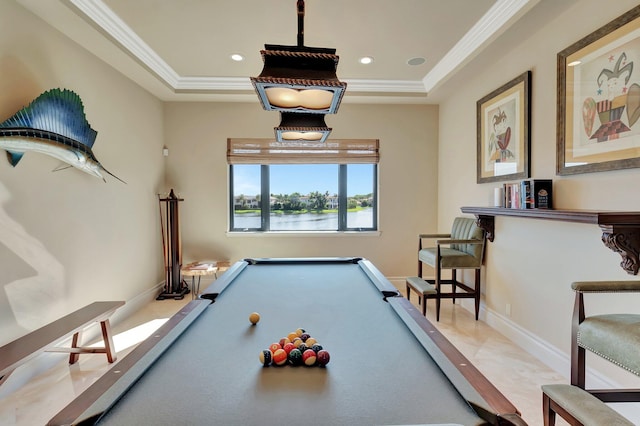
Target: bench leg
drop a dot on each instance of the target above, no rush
(75, 343)
(108, 340)
(76, 349)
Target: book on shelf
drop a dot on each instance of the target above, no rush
(528, 194)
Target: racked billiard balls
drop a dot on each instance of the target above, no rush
(295, 357)
(323, 358)
(265, 357)
(280, 357)
(309, 357)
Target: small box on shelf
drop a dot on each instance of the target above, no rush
(541, 193)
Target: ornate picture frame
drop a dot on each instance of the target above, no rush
(503, 131)
(599, 99)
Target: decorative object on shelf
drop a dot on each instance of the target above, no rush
(53, 124)
(174, 286)
(503, 131)
(620, 229)
(599, 99)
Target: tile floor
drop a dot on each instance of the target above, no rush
(516, 373)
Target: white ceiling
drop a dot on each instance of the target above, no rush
(180, 49)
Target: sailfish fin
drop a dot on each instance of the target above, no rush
(14, 157)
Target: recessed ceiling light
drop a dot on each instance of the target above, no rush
(416, 61)
(366, 60)
(237, 57)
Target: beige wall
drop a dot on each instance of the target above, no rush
(531, 263)
(196, 135)
(67, 238)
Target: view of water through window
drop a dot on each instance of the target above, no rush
(306, 221)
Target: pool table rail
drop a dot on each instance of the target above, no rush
(377, 278)
(478, 391)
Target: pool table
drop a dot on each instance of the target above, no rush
(388, 366)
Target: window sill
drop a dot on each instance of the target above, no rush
(305, 234)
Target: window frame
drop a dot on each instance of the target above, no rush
(265, 211)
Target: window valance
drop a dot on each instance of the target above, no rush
(333, 151)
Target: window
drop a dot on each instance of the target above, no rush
(303, 187)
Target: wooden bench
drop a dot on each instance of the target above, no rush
(424, 290)
(578, 407)
(18, 352)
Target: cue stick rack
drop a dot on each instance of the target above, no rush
(174, 286)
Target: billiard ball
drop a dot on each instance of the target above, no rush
(304, 336)
(254, 318)
(292, 336)
(280, 357)
(295, 357)
(309, 357)
(288, 347)
(300, 331)
(316, 348)
(274, 347)
(323, 358)
(303, 347)
(265, 357)
(310, 341)
(284, 341)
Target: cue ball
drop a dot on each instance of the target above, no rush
(254, 318)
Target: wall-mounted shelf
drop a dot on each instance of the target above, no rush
(620, 229)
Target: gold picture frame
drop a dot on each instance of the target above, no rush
(599, 99)
(503, 131)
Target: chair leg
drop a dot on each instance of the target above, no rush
(438, 274)
(453, 285)
(578, 354)
(549, 416)
(478, 293)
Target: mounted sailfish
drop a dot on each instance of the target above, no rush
(53, 124)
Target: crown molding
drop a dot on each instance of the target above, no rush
(501, 15)
(497, 19)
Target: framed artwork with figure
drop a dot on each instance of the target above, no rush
(503, 131)
(599, 99)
